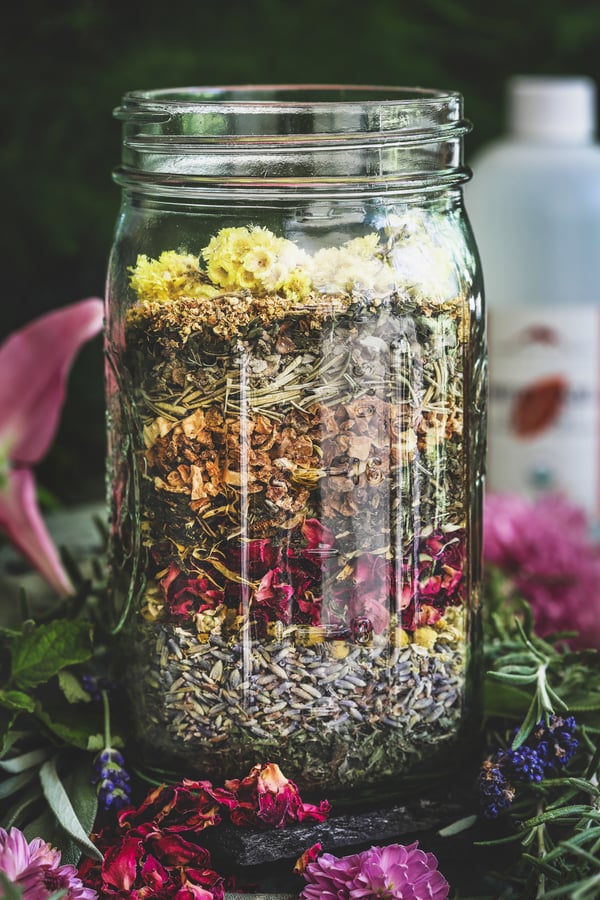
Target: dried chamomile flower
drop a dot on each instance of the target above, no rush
(425, 255)
(172, 276)
(426, 636)
(353, 266)
(257, 260)
(152, 604)
(451, 627)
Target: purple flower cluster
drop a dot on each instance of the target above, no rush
(545, 551)
(94, 686)
(112, 779)
(395, 872)
(550, 745)
(495, 792)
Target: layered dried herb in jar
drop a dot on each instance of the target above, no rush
(295, 481)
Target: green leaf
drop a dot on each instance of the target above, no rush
(24, 761)
(528, 724)
(45, 650)
(44, 826)
(15, 815)
(458, 826)
(588, 703)
(6, 723)
(564, 812)
(9, 890)
(16, 700)
(96, 743)
(73, 725)
(71, 688)
(61, 806)
(11, 739)
(10, 786)
(84, 798)
(512, 677)
(504, 700)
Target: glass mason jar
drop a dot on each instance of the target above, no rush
(295, 380)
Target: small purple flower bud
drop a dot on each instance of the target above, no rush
(112, 779)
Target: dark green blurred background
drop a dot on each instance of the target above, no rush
(66, 65)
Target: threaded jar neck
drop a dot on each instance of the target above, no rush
(300, 139)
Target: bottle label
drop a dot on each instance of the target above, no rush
(544, 420)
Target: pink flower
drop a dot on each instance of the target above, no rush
(34, 364)
(35, 868)
(405, 873)
(543, 548)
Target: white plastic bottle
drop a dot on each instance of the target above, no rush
(534, 203)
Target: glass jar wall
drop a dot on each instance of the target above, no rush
(295, 374)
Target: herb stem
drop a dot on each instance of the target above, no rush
(541, 852)
(106, 707)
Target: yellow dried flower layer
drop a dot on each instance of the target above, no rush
(171, 276)
(256, 260)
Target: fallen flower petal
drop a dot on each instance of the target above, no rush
(146, 863)
(267, 799)
(188, 806)
(307, 857)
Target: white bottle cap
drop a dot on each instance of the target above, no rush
(557, 109)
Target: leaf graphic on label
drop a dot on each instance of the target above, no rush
(538, 405)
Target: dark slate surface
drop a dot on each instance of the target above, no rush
(341, 833)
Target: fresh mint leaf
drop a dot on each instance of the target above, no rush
(71, 687)
(17, 700)
(7, 720)
(71, 724)
(46, 649)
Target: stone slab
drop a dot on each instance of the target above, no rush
(340, 834)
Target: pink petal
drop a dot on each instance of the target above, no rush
(34, 364)
(22, 522)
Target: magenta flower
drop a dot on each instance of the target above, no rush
(390, 873)
(34, 364)
(544, 550)
(35, 868)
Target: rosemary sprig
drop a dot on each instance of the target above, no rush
(554, 818)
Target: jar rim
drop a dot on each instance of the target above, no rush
(291, 96)
(291, 110)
